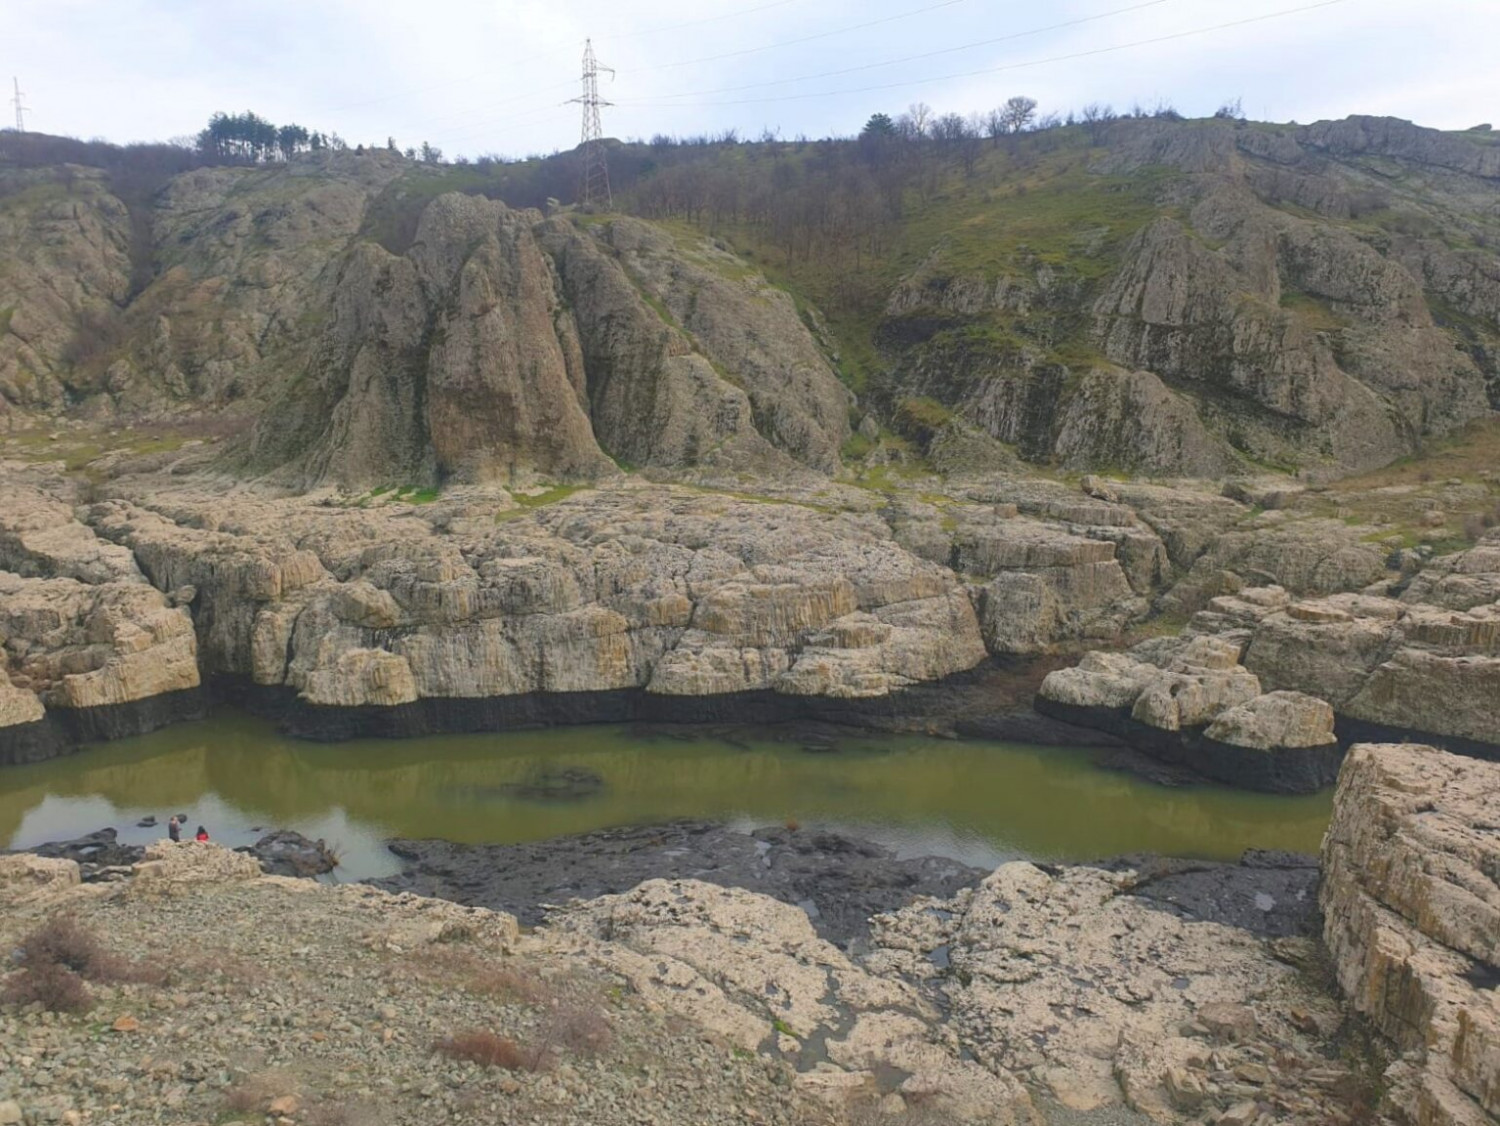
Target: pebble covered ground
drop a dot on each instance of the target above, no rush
(300, 1009)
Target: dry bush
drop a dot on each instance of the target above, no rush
(57, 988)
(59, 956)
(62, 941)
(582, 1028)
(489, 1050)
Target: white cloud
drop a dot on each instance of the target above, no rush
(494, 76)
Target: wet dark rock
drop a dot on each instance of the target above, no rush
(284, 852)
(93, 853)
(839, 880)
(1269, 893)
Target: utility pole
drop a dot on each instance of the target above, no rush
(20, 106)
(593, 186)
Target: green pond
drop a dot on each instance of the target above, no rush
(980, 801)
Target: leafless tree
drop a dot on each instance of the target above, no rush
(1018, 113)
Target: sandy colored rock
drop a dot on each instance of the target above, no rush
(1277, 719)
(28, 880)
(170, 866)
(745, 966)
(1412, 912)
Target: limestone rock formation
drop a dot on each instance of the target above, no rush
(1398, 665)
(752, 969)
(1094, 996)
(1189, 701)
(1222, 320)
(1411, 899)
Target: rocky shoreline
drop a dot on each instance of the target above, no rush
(1178, 991)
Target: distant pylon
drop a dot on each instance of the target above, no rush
(20, 106)
(593, 185)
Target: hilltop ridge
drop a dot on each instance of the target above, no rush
(1155, 296)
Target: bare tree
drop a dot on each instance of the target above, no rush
(949, 127)
(1018, 112)
(994, 124)
(917, 119)
(1096, 119)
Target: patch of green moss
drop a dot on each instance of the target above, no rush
(1315, 312)
(856, 447)
(550, 496)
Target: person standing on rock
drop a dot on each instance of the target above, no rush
(174, 829)
(202, 833)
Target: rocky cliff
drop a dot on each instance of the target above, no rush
(490, 345)
(1194, 297)
(1411, 894)
(1168, 297)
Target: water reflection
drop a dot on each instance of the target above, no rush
(980, 800)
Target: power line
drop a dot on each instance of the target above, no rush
(929, 54)
(803, 39)
(751, 50)
(985, 70)
(549, 52)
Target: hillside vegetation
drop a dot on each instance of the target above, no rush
(1143, 295)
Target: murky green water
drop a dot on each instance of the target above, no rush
(980, 801)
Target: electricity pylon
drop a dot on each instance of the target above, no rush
(593, 185)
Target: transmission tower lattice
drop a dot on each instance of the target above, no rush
(593, 186)
(20, 106)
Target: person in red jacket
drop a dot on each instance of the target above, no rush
(202, 833)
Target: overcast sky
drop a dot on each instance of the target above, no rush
(478, 76)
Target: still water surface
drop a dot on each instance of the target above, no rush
(976, 800)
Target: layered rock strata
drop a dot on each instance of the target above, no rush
(1411, 897)
(1417, 656)
(1195, 705)
(485, 609)
(92, 651)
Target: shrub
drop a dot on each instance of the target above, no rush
(63, 943)
(581, 1028)
(57, 988)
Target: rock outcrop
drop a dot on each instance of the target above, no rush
(99, 655)
(1411, 895)
(1190, 702)
(1216, 319)
(1416, 656)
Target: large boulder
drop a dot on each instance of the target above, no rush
(1411, 899)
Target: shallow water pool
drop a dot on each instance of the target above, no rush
(974, 800)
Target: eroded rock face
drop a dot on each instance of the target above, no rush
(1404, 665)
(1144, 991)
(752, 970)
(1231, 330)
(1412, 906)
(28, 880)
(671, 591)
(1189, 701)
